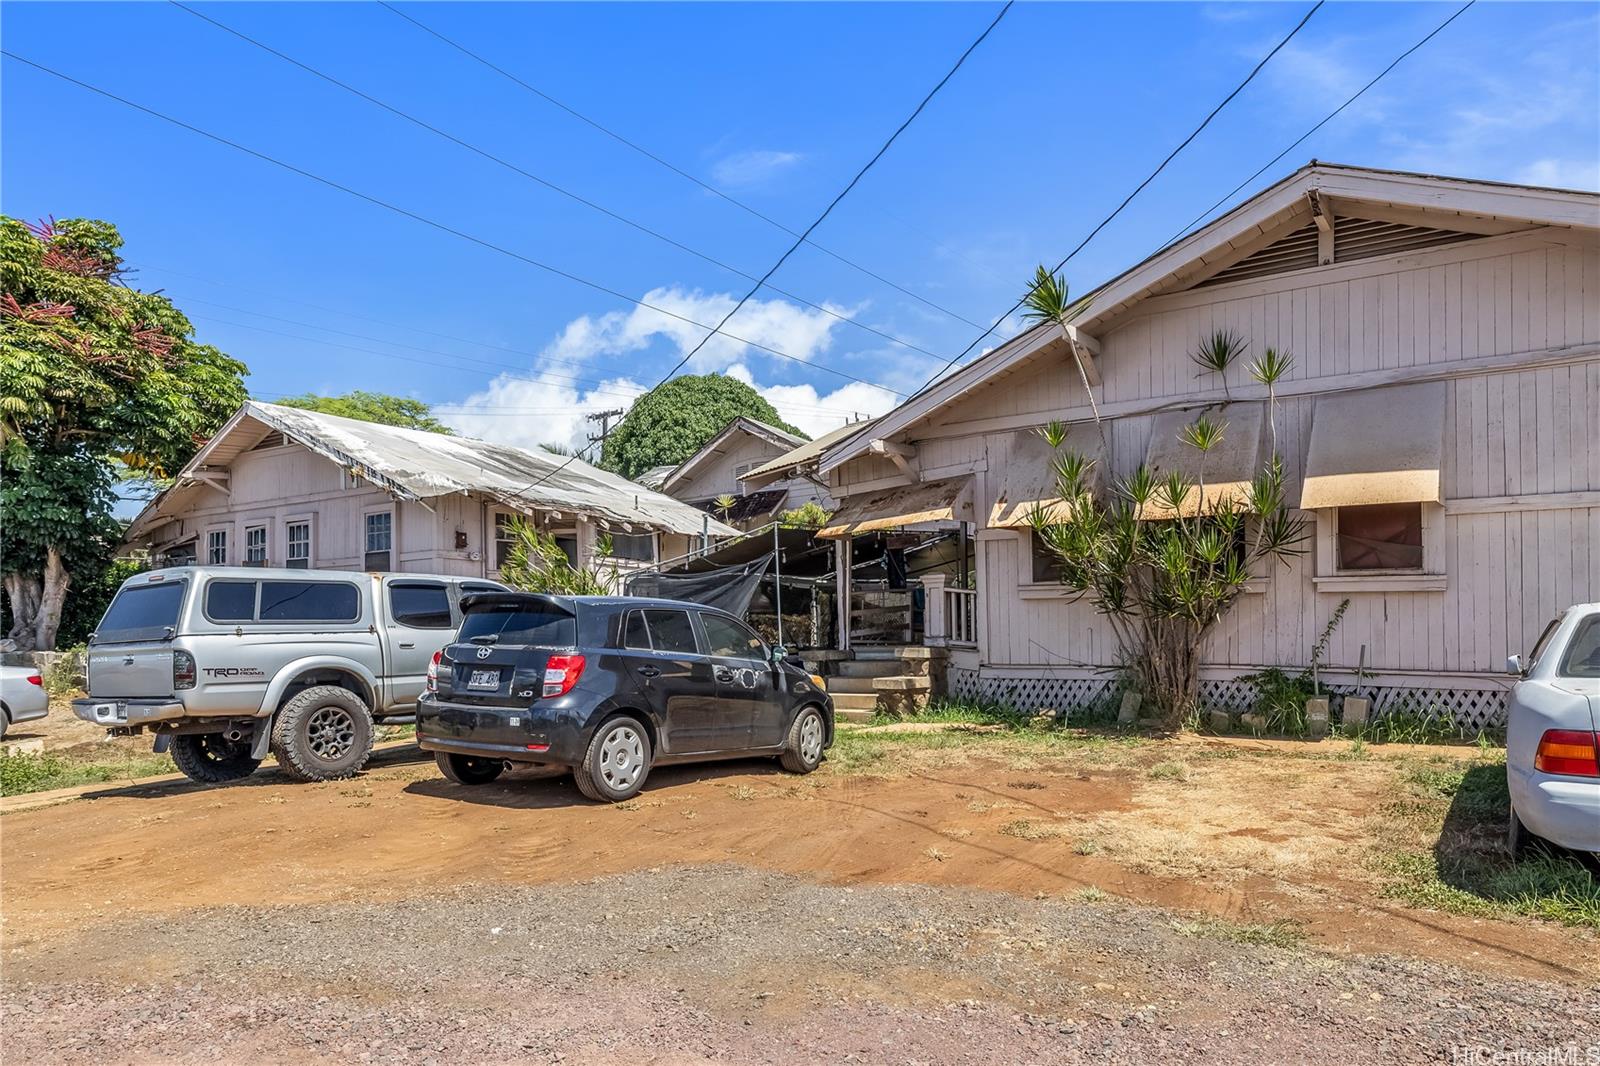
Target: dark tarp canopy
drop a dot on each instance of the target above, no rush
(730, 588)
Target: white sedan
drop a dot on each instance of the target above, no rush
(1553, 735)
(22, 696)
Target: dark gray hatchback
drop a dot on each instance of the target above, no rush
(610, 687)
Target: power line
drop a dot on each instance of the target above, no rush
(1137, 189)
(800, 238)
(545, 182)
(648, 154)
(425, 220)
(1329, 118)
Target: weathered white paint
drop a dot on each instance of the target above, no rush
(718, 474)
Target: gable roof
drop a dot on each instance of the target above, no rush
(413, 464)
(1447, 204)
(739, 424)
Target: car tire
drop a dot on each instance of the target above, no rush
(322, 734)
(802, 752)
(467, 769)
(617, 762)
(211, 759)
(1518, 839)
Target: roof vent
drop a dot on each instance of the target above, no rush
(1353, 238)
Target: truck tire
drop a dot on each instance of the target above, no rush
(802, 752)
(210, 759)
(322, 734)
(617, 762)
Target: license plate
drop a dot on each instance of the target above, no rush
(484, 679)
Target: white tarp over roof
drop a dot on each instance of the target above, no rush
(415, 464)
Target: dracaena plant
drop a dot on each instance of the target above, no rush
(1160, 560)
(1046, 301)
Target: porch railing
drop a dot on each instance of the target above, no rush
(951, 614)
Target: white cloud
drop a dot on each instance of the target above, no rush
(1562, 173)
(819, 413)
(752, 166)
(546, 409)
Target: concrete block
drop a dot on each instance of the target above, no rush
(1357, 711)
(901, 684)
(1128, 712)
(1221, 722)
(1317, 716)
(1256, 723)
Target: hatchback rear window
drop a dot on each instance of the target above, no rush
(522, 626)
(309, 601)
(142, 612)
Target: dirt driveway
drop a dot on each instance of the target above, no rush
(957, 903)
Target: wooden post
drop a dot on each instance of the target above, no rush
(935, 626)
(841, 561)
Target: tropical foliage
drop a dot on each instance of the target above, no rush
(672, 421)
(97, 381)
(535, 563)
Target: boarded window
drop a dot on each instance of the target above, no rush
(1381, 536)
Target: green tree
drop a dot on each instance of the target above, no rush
(670, 422)
(372, 407)
(97, 380)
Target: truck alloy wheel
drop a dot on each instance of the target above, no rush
(322, 733)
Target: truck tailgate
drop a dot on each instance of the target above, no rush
(130, 671)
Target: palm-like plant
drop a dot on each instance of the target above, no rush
(535, 563)
(1269, 369)
(1216, 354)
(1046, 301)
(724, 504)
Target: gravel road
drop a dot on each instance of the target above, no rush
(726, 963)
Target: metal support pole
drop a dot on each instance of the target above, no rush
(777, 579)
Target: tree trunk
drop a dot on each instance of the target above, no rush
(1170, 665)
(36, 603)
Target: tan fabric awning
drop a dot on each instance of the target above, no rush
(1376, 446)
(1226, 471)
(1028, 480)
(927, 501)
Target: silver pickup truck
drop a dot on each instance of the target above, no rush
(226, 663)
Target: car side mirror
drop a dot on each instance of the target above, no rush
(1514, 665)
(777, 654)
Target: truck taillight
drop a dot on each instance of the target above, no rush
(183, 671)
(1573, 752)
(561, 672)
(433, 671)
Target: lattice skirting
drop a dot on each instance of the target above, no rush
(1471, 709)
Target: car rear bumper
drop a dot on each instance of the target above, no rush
(518, 734)
(1562, 810)
(125, 712)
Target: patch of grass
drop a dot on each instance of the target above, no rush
(1441, 847)
(1085, 847)
(1090, 895)
(1170, 771)
(22, 772)
(1280, 934)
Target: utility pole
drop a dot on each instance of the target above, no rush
(604, 418)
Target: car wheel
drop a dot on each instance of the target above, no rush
(617, 762)
(1518, 839)
(467, 770)
(802, 753)
(322, 734)
(210, 758)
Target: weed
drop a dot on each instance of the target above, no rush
(1090, 895)
(936, 855)
(39, 772)
(1170, 771)
(1280, 934)
(742, 792)
(1085, 847)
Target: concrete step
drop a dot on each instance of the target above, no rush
(871, 653)
(869, 667)
(855, 701)
(842, 715)
(917, 685)
(836, 685)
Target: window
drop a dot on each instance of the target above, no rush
(420, 605)
(1381, 536)
(671, 631)
(524, 626)
(380, 541)
(141, 612)
(503, 537)
(309, 601)
(1046, 563)
(724, 636)
(255, 545)
(568, 543)
(231, 601)
(217, 547)
(1582, 658)
(297, 539)
(639, 547)
(634, 633)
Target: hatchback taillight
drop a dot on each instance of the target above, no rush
(183, 671)
(561, 672)
(433, 671)
(1572, 752)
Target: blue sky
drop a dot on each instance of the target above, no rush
(1060, 113)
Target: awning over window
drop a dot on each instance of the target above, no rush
(1226, 471)
(1376, 446)
(927, 501)
(1028, 479)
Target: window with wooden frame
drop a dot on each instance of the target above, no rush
(255, 545)
(504, 538)
(297, 543)
(217, 547)
(379, 541)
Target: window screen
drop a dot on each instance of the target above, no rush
(309, 601)
(670, 631)
(640, 547)
(724, 636)
(1582, 658)
(420, 605)
(231, 601)
(1382, 536)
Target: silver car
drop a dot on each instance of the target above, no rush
(1553, 735)
(22, 696)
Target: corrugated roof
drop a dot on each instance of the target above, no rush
(417, 465)
(805, 455)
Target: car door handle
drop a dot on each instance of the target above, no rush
(723, 673)
(649, 671)
(408, 644)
